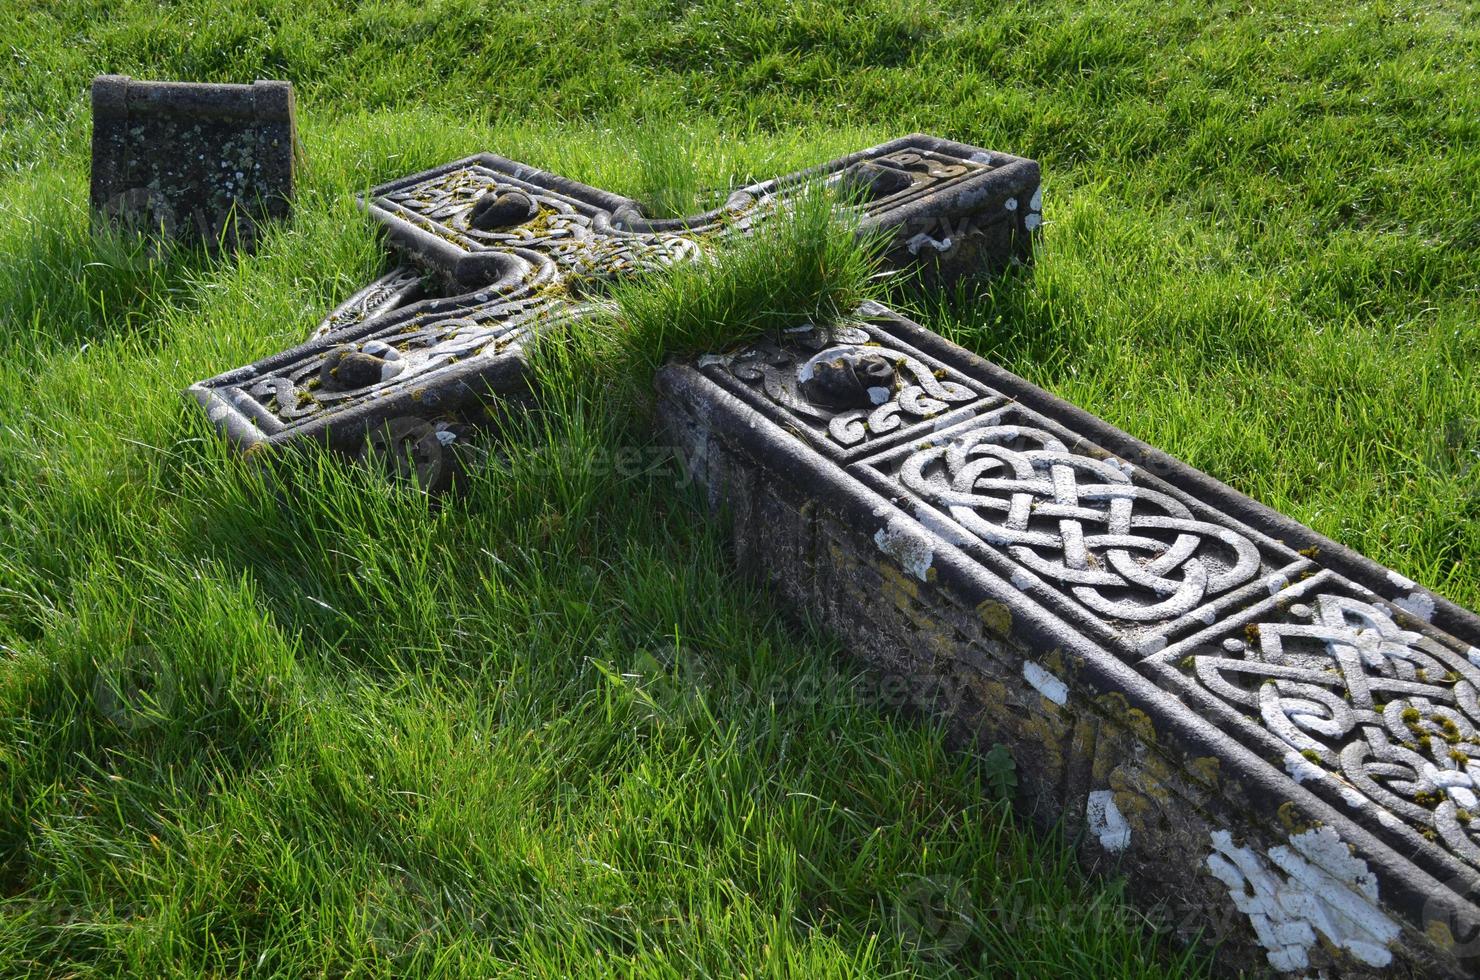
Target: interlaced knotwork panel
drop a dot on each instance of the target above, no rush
(493, 235)
(1383, 715)
(1122, 548)
(406, 350)
(579, 239)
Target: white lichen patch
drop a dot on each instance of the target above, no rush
(923, 241)
(1032, 220)
(1045, 683)
(1313, 887)
(1011, 204)
(1106, 821)
(1419, 605)
(1036, 204)
(1275, 583)
(879, 395)
(910, 548)
(1400, 581)
(1300, 768)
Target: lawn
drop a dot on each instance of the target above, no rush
(299, 720)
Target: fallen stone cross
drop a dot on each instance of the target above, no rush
(194, 162)
(1269, 734)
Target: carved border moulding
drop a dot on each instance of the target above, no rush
(432, 359)
(515, 248)
(1268, 733)
(397, 288)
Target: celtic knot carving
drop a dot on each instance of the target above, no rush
(1125, 550)
(783, 368)
(393, 289)
(486, 237)
(408, 348)
(1392, 712)
(581, 242)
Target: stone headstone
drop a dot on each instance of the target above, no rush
(193, 162)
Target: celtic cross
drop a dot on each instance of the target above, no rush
(1242, 714)
(495, 251)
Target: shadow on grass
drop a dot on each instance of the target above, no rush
(71, 278)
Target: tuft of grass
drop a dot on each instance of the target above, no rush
(808, 265)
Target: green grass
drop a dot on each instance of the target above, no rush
(301, 721)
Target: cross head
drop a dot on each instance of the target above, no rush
(493, 252)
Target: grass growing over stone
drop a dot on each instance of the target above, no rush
(319, 726)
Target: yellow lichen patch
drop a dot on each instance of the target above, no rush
(896, 586)
(1148, 777)
(1055, 662)
(995, 616)
(1140, 723)
(1439, 934)
(1137, 810)
(1293, 820)
(937, 636)
(1116, 706)
(1040, 730)
(993, 694)
(1205, 768)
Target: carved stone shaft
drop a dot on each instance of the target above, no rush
(1275, 739)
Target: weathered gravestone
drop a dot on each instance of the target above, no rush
(194, 162)
(1269, 734)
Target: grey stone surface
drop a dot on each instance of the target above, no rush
(513, 250)
(1269, 734)
(194, 162)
